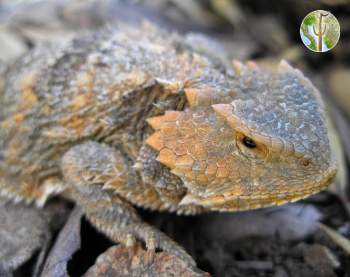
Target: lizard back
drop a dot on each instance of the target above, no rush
(99, 87)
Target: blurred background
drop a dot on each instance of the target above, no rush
(308, 238)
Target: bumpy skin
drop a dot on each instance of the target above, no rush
(137, 117)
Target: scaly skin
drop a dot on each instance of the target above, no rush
(137, 117)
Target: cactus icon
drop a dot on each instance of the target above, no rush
(320, 31)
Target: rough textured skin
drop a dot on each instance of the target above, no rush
(119, 261)
(136, 116)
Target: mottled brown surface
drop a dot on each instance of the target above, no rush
(76, 118)
(120, 261)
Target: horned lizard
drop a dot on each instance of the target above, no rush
(136, 117)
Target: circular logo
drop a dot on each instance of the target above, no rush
(320, 31)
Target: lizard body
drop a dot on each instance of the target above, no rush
(138, 117)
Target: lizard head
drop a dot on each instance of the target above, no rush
(267, 147)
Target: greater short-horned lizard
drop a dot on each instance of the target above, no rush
(138, 117)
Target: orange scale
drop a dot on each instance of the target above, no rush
(199, 152)
(171, 116)
(211, 169)
(185, 117)
(235, 174)
(211, 178)
(181, 141)
(199, 166)
(18, 117)
(235, 191)
(212, 143)
(213, 200)
(191, 95)
(179, 171)
(187, 131)
(193, 123)
(202, 132)
(211, 159)
(184, 161)
(156, 141)
(170, 143)
(206, 97)
(189, 138)
(200, 117)
(222, 172)
(190, 144)
(262, 189)
(169, 129)
(167, 157)
(191, 175)
(155, 122)
(202, 178)
(229, 166)
(232, 205)
(230, 160)
(185, 123)
(180, 149)
(221, 162)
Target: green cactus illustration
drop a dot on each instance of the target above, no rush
(321, 30)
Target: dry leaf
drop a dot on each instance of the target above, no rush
(23, 231)
(340, 240)
(321, 259)
(67, 243)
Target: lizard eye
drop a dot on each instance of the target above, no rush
(250, 148)
(248, 142)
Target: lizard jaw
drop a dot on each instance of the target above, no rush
(230, 202)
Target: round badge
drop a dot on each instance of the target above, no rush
(320, 31)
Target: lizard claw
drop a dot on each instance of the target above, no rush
(130, 241)
(151, 250)
(156, 240)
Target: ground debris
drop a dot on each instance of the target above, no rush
(321, 259)
(340, 240)
(24, 232)
(289, 222)
(67, 243)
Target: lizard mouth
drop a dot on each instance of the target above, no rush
(320, 184)
(278, 199)
(231, 202)
(310, 188)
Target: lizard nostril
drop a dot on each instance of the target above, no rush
(306, 162)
